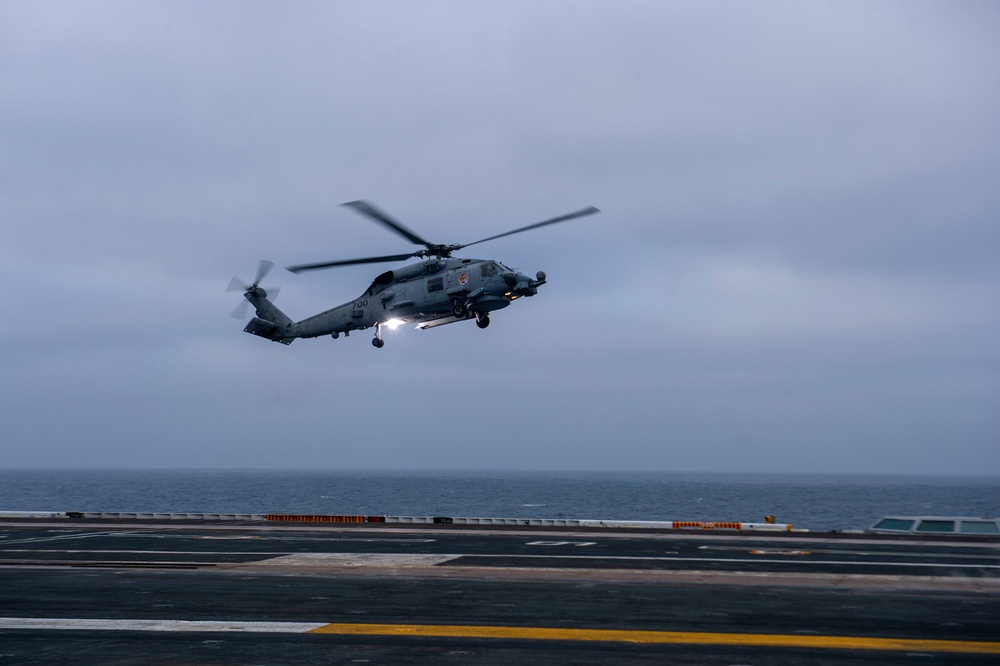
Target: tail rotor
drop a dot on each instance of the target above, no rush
(237, 284)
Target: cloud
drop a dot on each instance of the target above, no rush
(796, 267)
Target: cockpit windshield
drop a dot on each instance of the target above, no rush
(488, 269)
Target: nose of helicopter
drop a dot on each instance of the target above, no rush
(526, 286)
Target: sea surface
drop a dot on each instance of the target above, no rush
(816, 502)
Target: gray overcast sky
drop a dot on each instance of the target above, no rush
(797, 268)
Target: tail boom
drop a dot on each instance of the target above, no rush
(270, 322)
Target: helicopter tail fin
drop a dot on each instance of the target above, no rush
(270, 322)
(267, 329)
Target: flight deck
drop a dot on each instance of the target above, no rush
(130, 591)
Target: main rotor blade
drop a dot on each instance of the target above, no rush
(370, 211)
(562, 218)
(350, 262)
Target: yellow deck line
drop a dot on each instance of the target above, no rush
(664, 637)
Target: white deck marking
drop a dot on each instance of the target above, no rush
(145, 552)
(157, 625)
(78, 535)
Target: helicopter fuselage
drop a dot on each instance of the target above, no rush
(441, 289)
(429, 293)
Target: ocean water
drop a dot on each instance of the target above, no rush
(816, 502)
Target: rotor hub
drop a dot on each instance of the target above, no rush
(438, 250)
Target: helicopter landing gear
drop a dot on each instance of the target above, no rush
(458, 311)
(378, 342)
(483, 320)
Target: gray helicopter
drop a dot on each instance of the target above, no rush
(439, 290)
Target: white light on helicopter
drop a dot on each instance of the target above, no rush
(393, 324)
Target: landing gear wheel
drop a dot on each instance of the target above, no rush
(458, 311)
(483, 321)
(378, 342)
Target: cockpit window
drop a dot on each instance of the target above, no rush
(488, 269)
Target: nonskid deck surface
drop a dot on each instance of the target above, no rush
(114, 592)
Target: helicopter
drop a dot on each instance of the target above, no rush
(440, 289)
